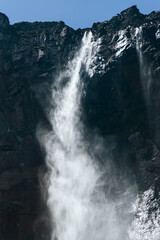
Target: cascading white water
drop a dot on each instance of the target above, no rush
(73, 176)
(145, 70)
(81, 205)
(146, 212)
(77, 199)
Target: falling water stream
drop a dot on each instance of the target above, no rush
(146, 222)
(145, 69)
(79, 203)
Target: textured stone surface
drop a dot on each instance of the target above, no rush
(31, 54)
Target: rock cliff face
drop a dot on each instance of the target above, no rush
(122, 100)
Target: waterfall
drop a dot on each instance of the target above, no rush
(146, 211)
(80, 200)
(84, 204)
(73, 177)
(148, 85)
(145, 69)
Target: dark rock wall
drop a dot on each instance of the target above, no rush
(31, 54)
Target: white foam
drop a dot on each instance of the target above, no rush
(146, 223)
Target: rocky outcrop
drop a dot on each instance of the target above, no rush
(31, 54)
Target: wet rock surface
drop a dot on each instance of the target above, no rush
(31, 55)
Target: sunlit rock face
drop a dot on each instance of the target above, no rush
(120, 101)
